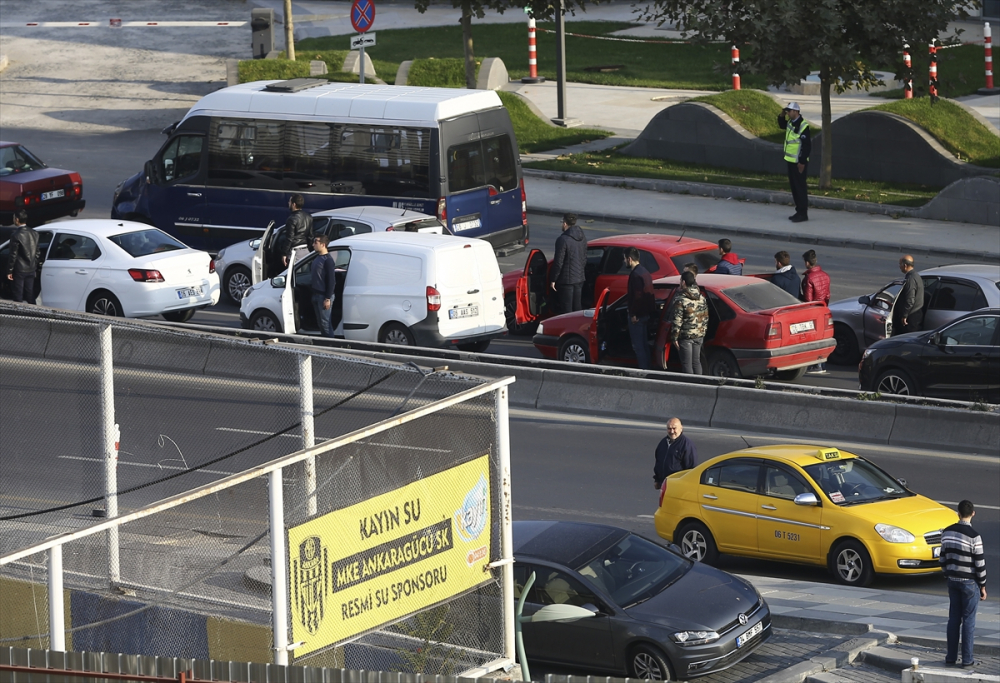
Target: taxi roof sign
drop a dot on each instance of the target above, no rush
(828, 454)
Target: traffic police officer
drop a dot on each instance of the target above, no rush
(798, 145)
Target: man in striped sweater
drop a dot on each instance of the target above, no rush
(965, 567)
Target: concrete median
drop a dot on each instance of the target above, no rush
(25, 337)
(946, 428)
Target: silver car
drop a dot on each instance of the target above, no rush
(949, 292)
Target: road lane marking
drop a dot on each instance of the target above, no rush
(146, 464)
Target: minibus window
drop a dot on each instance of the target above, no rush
(501, 172)
(465, 167)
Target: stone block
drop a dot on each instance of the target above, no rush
(492, 74)
(403, 72)
(352, 64)
(317, 67)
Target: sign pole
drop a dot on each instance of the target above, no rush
(362, 69)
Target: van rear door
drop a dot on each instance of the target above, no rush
(491, 287)
(458, 281)
(467, 197)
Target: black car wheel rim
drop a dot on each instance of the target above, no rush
(646, 667)
(693, 545)
(850, 565)
(893, 384)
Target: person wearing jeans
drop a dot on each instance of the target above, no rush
(964, 566)
(324, 284)
(641, 305)
(689, 323)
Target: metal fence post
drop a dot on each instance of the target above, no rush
(506, 515)
(57, 625)
(279, 572)
(308, 430)
(109, 437)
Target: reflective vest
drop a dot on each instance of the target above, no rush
(793, 141)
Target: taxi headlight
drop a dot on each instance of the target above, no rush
(695, 637)
(894, 534)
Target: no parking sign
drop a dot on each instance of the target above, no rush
(362, 15)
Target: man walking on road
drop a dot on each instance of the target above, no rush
(964, 566)
(23, 259)
(324, 284)
(641, 305)
(798, 145)
(785, 275)
(569, 265)
(674, 453)
(689, 323)
(815, 287)
(729, 263)
(908, 311)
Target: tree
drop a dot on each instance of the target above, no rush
(787, 39)
(541, 9)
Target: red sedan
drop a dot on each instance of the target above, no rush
(27, 183)
(528, 297)
(754, 329)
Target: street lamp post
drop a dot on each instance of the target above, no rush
(560, 613)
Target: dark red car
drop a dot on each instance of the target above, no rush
(528, 297)
(27, 183)
(754, 329)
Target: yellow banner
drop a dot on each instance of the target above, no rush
(375, 562)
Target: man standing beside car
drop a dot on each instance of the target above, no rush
(785, 275)
(569, 265)
(689, 323)
(324, 284)
(641, 305)
(674, 453)
(298, 230)
(908, 311)
(815, 287)
(23, 259)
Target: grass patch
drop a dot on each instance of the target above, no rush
(535, 135)
(613, 164)
(271, 69)
(673, 65)
(957, 130)
(960, 72)
(439, 73)
(754, 110)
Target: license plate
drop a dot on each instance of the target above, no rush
(189, 292)
(53, 195)
(796, 328)
(467, 225)
(465, 312)
(937, 552)
(742, 640)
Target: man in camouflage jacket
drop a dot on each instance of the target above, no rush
(689, 323)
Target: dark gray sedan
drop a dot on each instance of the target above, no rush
(657, 615)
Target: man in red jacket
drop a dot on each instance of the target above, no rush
(815, 287)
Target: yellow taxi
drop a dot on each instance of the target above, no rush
(803, 504)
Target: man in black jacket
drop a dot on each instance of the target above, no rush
(785, 275)
(908, 311)
(641, 305)
(298, 230)
(23, 259)
(674, 453)
(798, 145)
(569, 265)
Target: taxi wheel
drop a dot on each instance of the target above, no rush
(696, 543)
(648, 663)
(851, 564)
(574, 350)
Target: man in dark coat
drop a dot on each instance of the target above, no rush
(298, 230)
(23, 259)
(729, 263)
(569, 265)
(674, 453)
(785, 275)
(908, 311)
(641, 305)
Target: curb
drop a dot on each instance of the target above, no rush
(830, 660)
(985, 649)
(843, 628)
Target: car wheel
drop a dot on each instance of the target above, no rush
(574, 350)
(264, 321)
(475, 347)
(104, 303)
(236, 282)
(394, 333)
(696, 543)
(648, 663)
(851, 564)
(721, 363)
(846, 352)
(789, 375)
(509, 308)
(895, 381)
(179, 316)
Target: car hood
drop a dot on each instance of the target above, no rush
(898, 340)
(703, 599)
(917, 514)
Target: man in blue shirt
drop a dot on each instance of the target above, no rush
(324, 283)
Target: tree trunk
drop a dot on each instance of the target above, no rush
(470, 61)
(826, 170)
(289, 32)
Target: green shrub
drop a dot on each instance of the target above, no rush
(439, 73)
(755, 110)
(271, 70)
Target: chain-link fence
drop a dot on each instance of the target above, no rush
(103, 421)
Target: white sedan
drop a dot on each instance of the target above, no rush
(121, 268)
(235, 262)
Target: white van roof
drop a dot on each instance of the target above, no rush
(348, 101)
(407, 241)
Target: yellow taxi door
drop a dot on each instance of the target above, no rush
(786, 530)
(728, 498)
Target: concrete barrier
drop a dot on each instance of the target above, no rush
(403, 72)
(969, 200)
(947, 429)
(170, 353)
(492, 74)
(352, 64)
(25, 337)
(802, 415)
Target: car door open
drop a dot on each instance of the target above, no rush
(531, 289)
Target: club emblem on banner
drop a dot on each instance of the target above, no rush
(311, 582)
(471, 517)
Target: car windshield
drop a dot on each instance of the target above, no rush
(849, 482)
(759, 296)
(146, 242)
(704, 259)
(17, 159)
(634, 570)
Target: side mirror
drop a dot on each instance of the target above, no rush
(865, 300)
(254, 243)
(278, 282)
(936, 340)
(806, 499)
(149, 170)
(902, 482)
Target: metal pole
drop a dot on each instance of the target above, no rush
(308, 431)
(525, 674)
(506, 515)
(109, 438)
(279, 572)
(362, 67)
(57, 625)
(560, 63)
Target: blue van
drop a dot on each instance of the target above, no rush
(229, 166)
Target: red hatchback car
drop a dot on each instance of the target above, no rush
(27, 183)
(528, 297)
(754, 329)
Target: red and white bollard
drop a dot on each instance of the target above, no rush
(532, 76)
(933, 79)
(908, 81)
(736, 68)
(988, 44)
